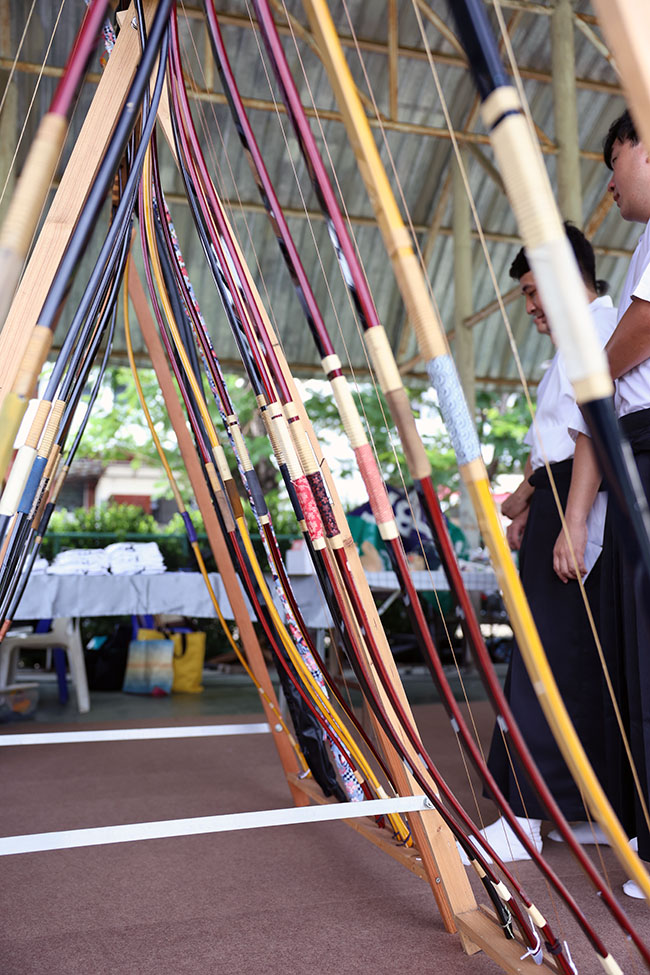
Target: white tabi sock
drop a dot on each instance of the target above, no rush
(504, 842)
(632, 889)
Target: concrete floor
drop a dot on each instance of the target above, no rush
(223, 694)
(293, 900)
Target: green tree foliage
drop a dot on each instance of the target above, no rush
(502, 420)
(118, 519)
(117, 431)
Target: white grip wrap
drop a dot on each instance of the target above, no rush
(445, 381)
(17, 480)
(502, 891)
(220, 460)
(287, 447)
(349, 414)
(521, 165)
(536, 916)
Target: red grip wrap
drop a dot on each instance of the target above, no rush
(309, 508)
(377, 494)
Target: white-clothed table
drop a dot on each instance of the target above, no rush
(184, 594)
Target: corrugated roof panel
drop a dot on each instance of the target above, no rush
(422, 161)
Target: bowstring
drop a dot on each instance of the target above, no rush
(386, 419)
(200, 109)
(387, 422)
(341, 333)
(221, 181)
(512, 342)
(608, 682)
(15, 61)
(317, 249)
(31, 103)
(353, 238)
(462, 169)
(526, 389)
(508, 326)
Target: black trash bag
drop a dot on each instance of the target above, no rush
(105, 667)
(309, 734)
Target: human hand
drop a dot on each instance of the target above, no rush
(515, 505)
(564, 563)
(515, 530)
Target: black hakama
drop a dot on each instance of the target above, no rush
(625, 630)
(563, 625)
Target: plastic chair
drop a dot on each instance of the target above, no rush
(65, 634)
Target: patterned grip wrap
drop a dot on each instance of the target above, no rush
(309, 508)
(445, 381)
(319, 491)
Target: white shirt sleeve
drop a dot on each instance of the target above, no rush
(604, 316)
(577, 424)
(642, 287)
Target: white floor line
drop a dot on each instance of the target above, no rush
(135, 734)
(101, 835)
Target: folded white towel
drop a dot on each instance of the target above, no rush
(130, 558)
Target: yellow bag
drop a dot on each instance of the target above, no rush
(189, 652)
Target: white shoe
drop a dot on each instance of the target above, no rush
(634, 844)
(632, 889)
(504, 842)
(584, 833)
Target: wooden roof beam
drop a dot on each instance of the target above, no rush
(531, 7)
(487, 165)
(393, 61)
(441, 26)
(419, 54)
(403, 51)
(436, 224)
(262, 105)
(594, 39)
